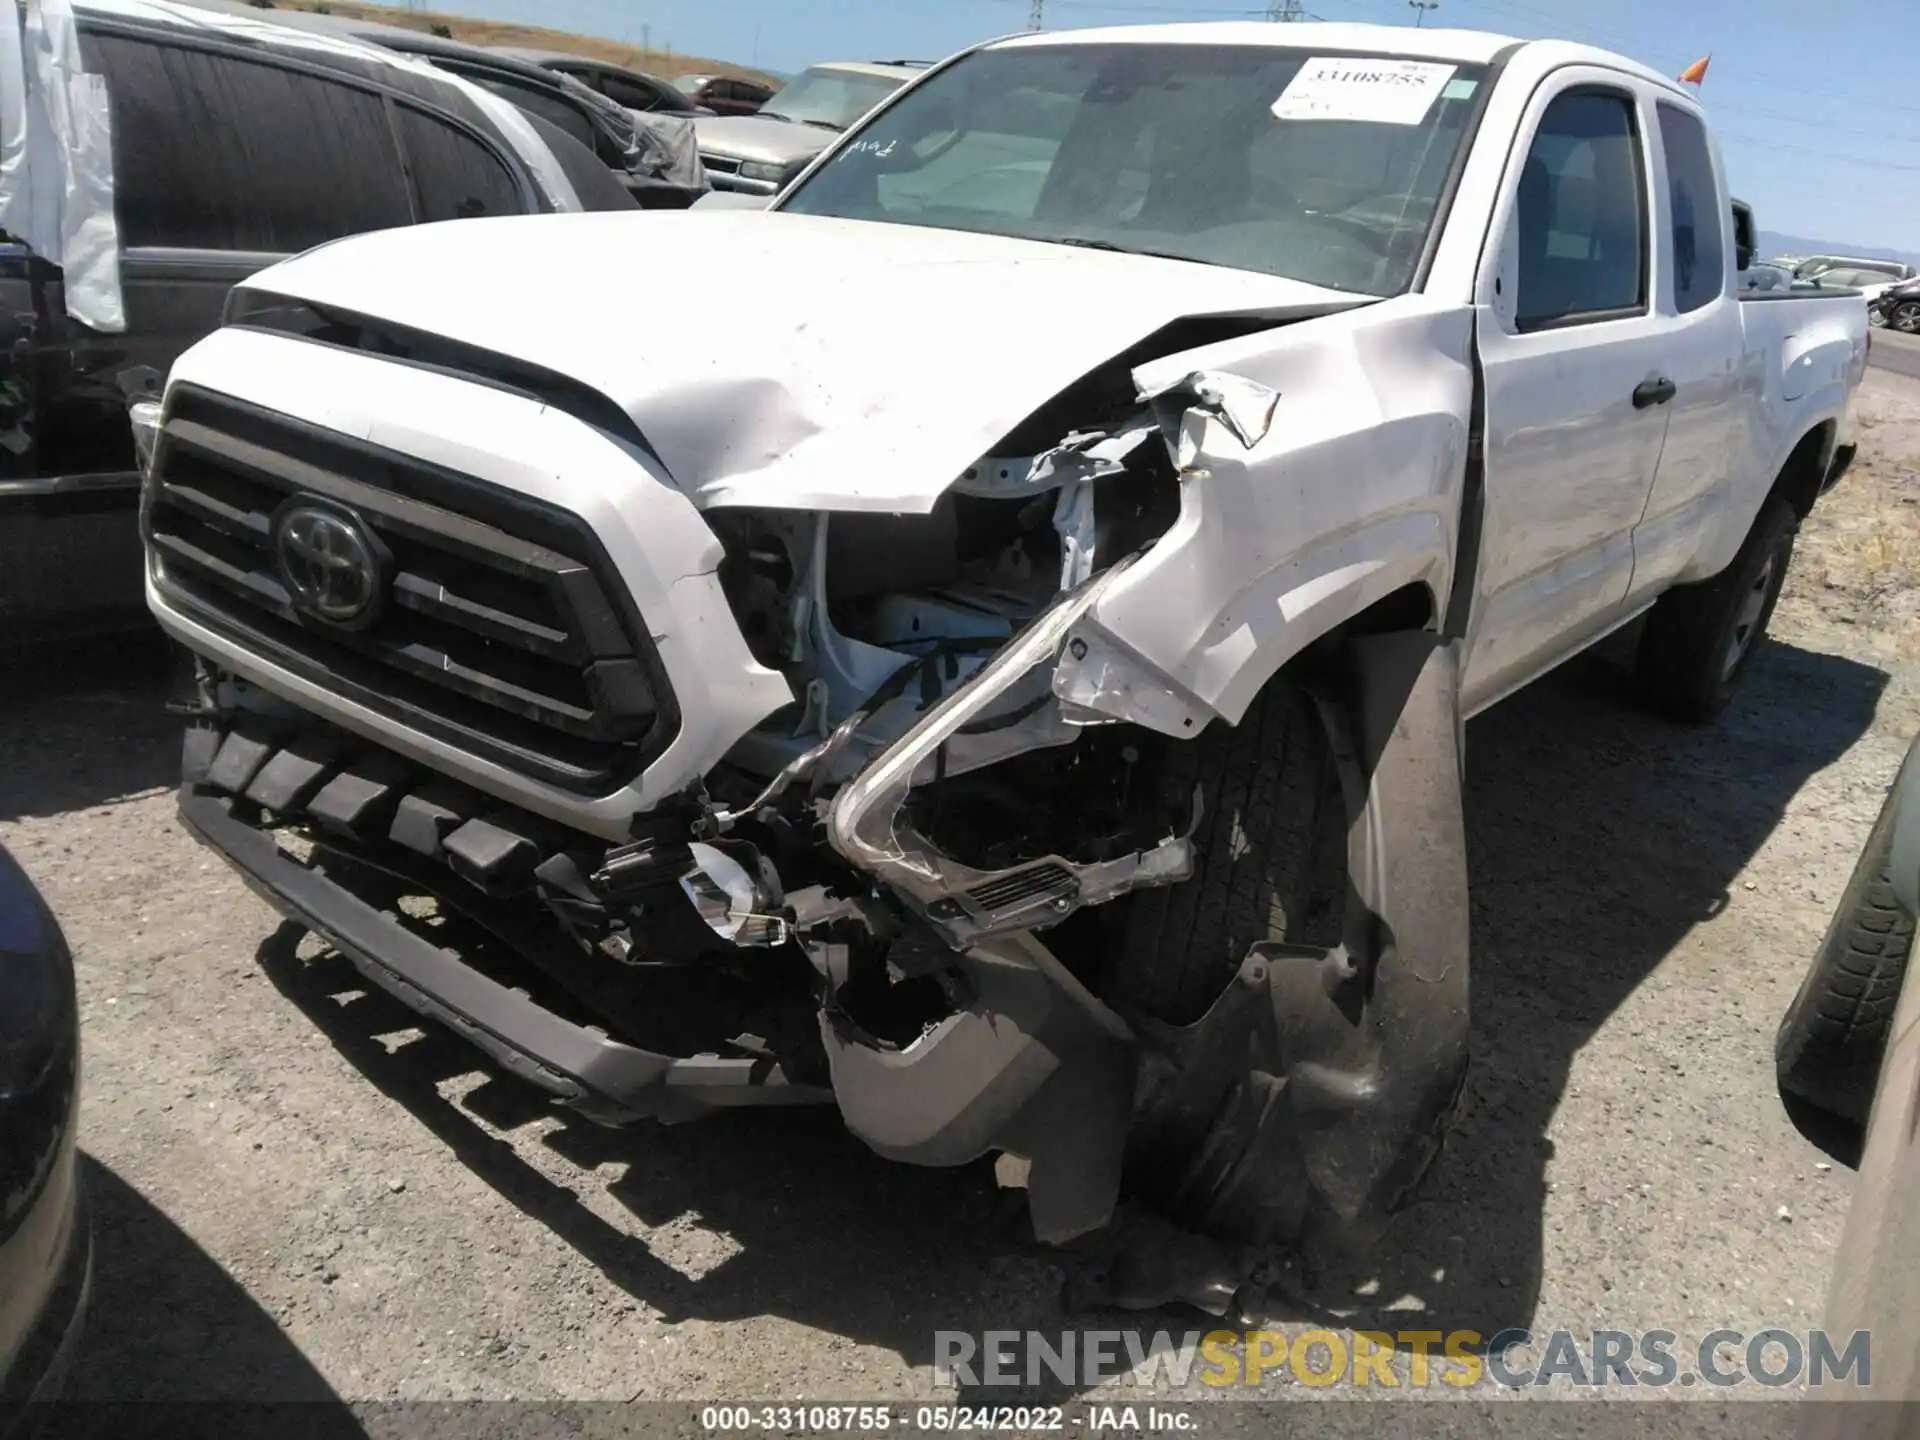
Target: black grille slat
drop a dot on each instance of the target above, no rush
(430, 597)
(501, 627)
(210, 509)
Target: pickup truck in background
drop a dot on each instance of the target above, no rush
(1038, 730)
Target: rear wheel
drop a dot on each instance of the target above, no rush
(1700, 640)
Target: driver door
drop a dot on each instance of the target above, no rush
(1572, 356)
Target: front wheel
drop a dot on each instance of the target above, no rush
(1700, 639)
(1905, 317)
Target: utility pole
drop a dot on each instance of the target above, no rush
(1287, 10)
(1420, 8)
(1036, 15)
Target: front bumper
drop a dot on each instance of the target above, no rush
(581, 1067)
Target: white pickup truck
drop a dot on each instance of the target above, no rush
(985, 642)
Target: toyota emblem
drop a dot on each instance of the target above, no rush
(328, 562)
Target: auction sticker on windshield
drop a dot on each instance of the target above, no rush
(1385, 92)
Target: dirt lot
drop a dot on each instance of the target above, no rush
(301, 1195)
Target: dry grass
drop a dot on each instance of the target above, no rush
(497, 32)
(1859, 552)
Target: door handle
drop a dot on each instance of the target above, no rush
(1652, 392)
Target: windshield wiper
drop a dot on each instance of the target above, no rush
(1088, 242)
(824, 125)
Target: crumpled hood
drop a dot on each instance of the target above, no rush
(751, 137)
(784, 360)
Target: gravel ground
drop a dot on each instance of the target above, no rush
(300, 1194)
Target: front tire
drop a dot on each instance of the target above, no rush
(1269, 863)
(1906, 317)
(1701, 640)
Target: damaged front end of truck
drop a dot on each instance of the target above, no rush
(898, 886)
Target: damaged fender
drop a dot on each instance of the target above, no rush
(1296, 513)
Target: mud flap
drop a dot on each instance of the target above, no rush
(1316, 1090)
(1034, 1066)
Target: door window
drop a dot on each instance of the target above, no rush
(1582, 213)
(1699, 257)
(628, 92)
(456, 176)
(212, 152)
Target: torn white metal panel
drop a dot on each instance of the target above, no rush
(67, 216)
(843, 402)
(1351, 493)
(1244, 406)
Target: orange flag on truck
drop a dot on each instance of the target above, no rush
(1697, 71)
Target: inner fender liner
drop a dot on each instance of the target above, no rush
(1034, 1065)
(1316, 1090)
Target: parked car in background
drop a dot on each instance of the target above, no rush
(1815, 266)
(651, 154)
(634, 89)
(1849, 1046)
(46, 1247)
(757, 154)
(1898, 307)
(1871, 277)
(235, 142)
(724, 94)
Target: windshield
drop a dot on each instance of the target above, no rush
(831, 98)
(1318, 168)
(688, 84)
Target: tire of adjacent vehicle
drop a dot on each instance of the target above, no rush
(1834, 1035)
(1270, 859)
(1686, 667)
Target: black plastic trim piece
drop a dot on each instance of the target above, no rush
(604, 1078)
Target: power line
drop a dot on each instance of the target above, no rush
(1286, 11)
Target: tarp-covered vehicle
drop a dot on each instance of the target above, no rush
(154, 155)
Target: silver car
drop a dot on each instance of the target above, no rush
(757, 154)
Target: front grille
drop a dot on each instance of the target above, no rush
(502, 628)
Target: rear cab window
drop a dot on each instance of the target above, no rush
(1695, 243)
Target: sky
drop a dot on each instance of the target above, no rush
(1817, 113)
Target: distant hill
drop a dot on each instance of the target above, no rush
(1772, 242)
(664, 63)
